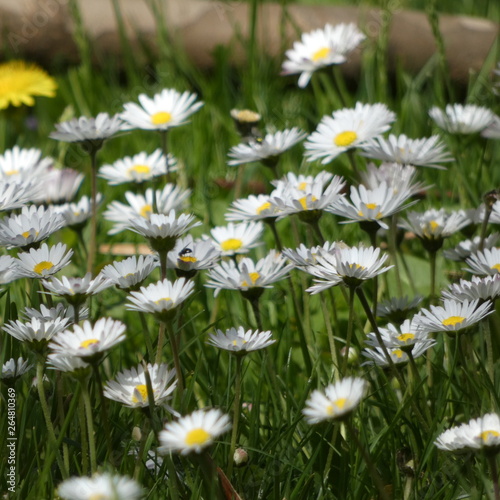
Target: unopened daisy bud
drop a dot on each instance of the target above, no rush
(352, 355)
(136, 434)
(240, 457)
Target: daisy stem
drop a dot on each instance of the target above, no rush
(161, 341)
(60, 414)
(329, 458)
(256, 313)
(210, 477)
(93, 206)
(83, 436)
(368, 461)
(317, 232)
(432, 261)
(393, 249)
(352, 161)
(147, 338)
(418, 382)
(331, 340)
(175, 355)
(236, 414)
(484, 327)
(164, 148)
(238, 185)
(271, 223)
(494, 474)
(104, 407)
(82, 245)
(408, 273)
(484, 225)
(352, 292)
(46, 414)
(373, 241)
(142, 446)
(90, 425)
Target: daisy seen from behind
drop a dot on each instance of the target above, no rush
(462, 119)
(240, 342)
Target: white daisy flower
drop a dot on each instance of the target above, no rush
(162, 230)
(85, 129)
(18, 164)
(460, 119)
(487, 288)
(453, 316)
(161, 298)
(163, 111)
(347, 128)
(66, 363)
(129, 273)
(252, 208)
(266, 150)
(303, 256)
(247, 275)
(13, 369)
(193, 432)
(60, 186)
(43, 262)
(238, 341)
(377, 355)
(189, 256)
(138, 168)
(479, 434)
(30, 227)
(130, 387)
(467, 248)
(16, 194)
(484, 263)
(425, 152)
(8, 269)
(100, 486)
(320, 48)
(397, 309)
(236, 239)
(89, 341)
(77, 214)
(492, 131)
(371, 205)
(170, 197)
(36, 329)
(76, 290)
(336, 402)
(53, 313)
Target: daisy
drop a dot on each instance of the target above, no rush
(248, 276)
(484, 263)
(466, 248)
(397, 309)
(89, 342)
(453, 316)
(36, 330)
(266, 150)
(492, 131)
(161, 298)
(163, 230)
(67, 363)
(60, 311)
(16, 194)
(371, 205)
(76, 290)
(8, 269)
(193, 432)
(43, 262)
(171, 197)
(236, 239)
(129, 273)
(102, 486)
(302, 257)
(336, 402)
(239, 342)
(21, 81)
(163, 111)
(18, 164)
(347, 128)
(189, 256)
(138, 168)
(377, 355)
(487, 288)
(459, 119)
(426, 152)
(130, 386)
(59, 186)
(320, 48)
(13, 369)
(92, 131)
(77, 214)
(30, 227)
(253, 208)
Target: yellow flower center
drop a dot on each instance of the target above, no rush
(232, 244)
(453, 320)
(320, 54)
(371, 206)
(345, 139)
(486, 435)
(246, 115)
(140, 393)
(139, 170)
(188, 258)
(357, 266)
(253, 277)
(497, 267)
(433, 225)
(197, 437)
(398, 353)
(161, 118)
(88, 343)
(12, 172)
(302, 186)
(303, 201)
(405, 337)
(145, 211)
(164, 301)
(43, 266)
(26, 234)
(264, 206)
(98, 496)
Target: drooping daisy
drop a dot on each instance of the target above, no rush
(236, 239)
(161, 298)
(60, 186)
(239, 342)
(426, 152)
(347, 128)
(130, 387)
(20, 82)
(336, 402)
(193, 432)
(189, 256)
(460, 119)
(163, 111)
(88, 341)
(467, 248)
(266, 150)
(484, 263)
(453, 316)
(398, 309)
(319, 48)
(479, 434)
(248, 276)
(30, 227)
(13, 369)
(138, 168)
(487, 288)
(252, 208)
(129, 273)
(20, 164)
(43, 262)
(100, 486)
